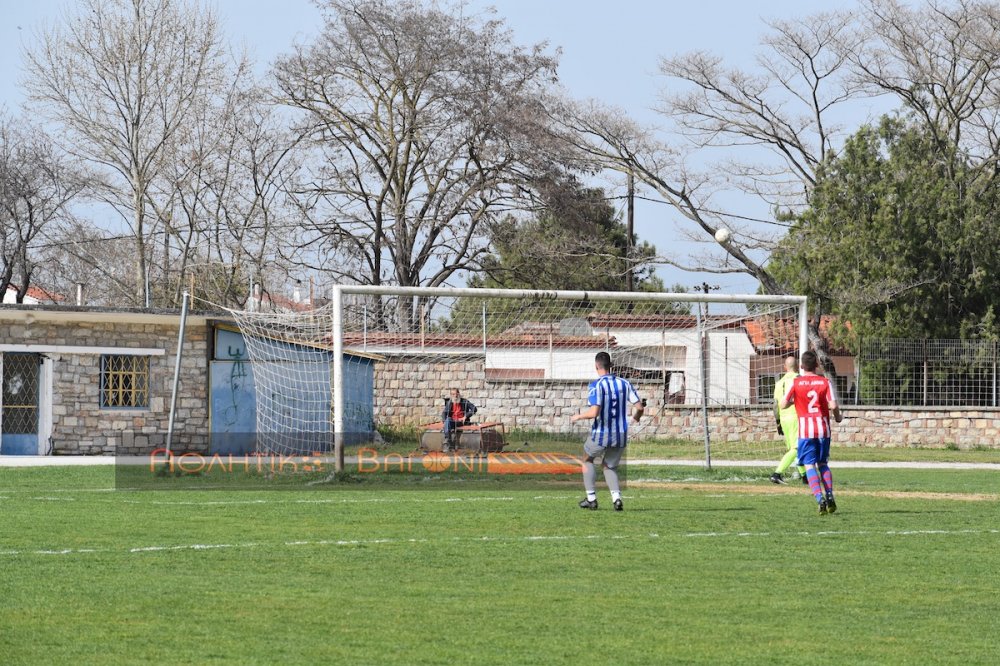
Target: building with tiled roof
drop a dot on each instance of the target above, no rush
(34, 296)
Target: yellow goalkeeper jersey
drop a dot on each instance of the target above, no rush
(780, 389)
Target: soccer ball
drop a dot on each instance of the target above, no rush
(723, 235)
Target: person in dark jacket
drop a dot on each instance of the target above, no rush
(457, 412)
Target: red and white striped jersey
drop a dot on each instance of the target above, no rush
(811, 394)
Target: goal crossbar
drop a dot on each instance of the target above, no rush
(637, 296)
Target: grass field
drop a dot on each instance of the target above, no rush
(702, 567)
(673, 449)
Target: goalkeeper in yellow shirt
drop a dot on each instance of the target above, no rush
(787, 421)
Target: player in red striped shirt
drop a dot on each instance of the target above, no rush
(814, 400)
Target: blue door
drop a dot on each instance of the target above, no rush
(233, 402)
(19, 412)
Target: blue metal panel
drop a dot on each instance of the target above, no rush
(233, 395)
(229, 345)
(233, 406)
(19, 445)
(359, 396)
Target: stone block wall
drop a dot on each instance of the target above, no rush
(80, 426)
(862, 426)
(920, 426)
(409, 393)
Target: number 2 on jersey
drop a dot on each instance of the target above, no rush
(813, 402)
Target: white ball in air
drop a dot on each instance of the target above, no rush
(723, 235)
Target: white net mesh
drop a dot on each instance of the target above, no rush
(291, 360)
(525, 363)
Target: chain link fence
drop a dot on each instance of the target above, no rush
(895, 372)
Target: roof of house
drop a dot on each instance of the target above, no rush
(29, 313)
(324, 344)
(768, 335)
(781, 335)
(410, 341)
(602, 321)
(39, 294)
(279, 302)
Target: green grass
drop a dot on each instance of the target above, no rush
(703, 567)
(916, 454)
(404, 442)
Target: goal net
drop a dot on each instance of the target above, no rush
(291, 362)
(705, 364)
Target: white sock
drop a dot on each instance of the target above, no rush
(590, 480)
(615, 495)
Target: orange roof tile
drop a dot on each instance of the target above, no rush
(781, 335)
(39, 294)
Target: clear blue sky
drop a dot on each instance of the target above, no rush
(610, 51)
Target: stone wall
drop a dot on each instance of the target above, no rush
(862, 426)
(80, 426)
(924, 426)
(410, 393)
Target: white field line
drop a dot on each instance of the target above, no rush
(834, 464)
(62, 490)
(138, 550)
(372, 500)
(765, 493)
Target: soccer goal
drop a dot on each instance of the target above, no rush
(384, 359)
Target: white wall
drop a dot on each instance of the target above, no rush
(557, 363)
(729, 354)
(10, 296)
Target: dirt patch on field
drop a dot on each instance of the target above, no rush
(752, 489)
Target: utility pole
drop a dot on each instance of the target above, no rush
(706, 287)
(630, 231)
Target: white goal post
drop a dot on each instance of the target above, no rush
(351, 331)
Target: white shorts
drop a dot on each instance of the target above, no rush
(609, 455)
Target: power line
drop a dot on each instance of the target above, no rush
(620, 197)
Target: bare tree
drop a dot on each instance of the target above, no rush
(78, 253)
(121, 79)
(225, 196)
(418, 115)
(778, 116)
(942, 61)
(607, 139)
(37, 187)
(782, 106)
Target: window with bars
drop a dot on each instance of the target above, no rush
(124, 382)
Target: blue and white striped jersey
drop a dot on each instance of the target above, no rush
(613, 395)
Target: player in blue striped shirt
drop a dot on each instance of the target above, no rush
(608, 397)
